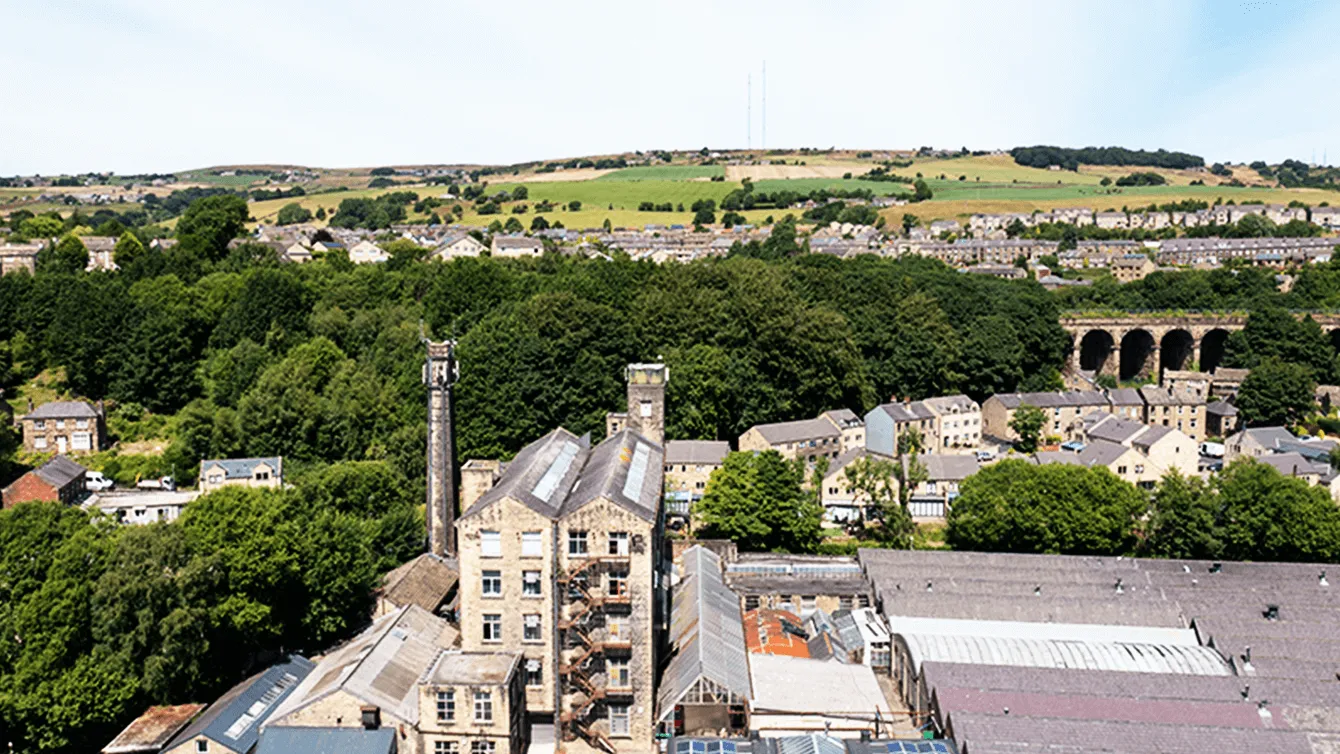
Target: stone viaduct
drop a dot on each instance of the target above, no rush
(1128, 346)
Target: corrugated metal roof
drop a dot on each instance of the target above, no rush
(380, 666)
(996, 734)
(1054, 653)
(706, 632)
(692, 452)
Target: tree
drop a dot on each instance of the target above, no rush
(292, 214)
(1276, 393)
(704, 216)
(910, 221)
(1015, 506)
(128, 251)
(1264, 515)
(876, 484)
(756, 500)
(210, 223)
(574, 206)
(921, 191)
(539, 223)
(1027, 422)
(520, 194)
(1183, 520)
(513, 225)
(69, 256)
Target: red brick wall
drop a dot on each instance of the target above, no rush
(30, 487)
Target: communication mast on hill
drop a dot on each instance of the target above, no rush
(764, 140)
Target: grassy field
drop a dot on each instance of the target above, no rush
(225, 181)
(664, 173)
(959, 200)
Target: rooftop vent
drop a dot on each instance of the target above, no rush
(1216, 568)
(372, 717)
(929, 587)
(1037, 591)
(1119, 588)
(1272, 612)
(1246, 691)
(1321, 580)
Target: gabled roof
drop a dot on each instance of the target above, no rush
(380, 666)
(59, 471)
(1266, 437)
(706, 635)
(689, 452)
(951, 404)
(64, 410)
(541, 475)
(949, 467)
(844, 418)
(560, 473)
(242, 468)
(1076, 398)
(794, 431)
(234, 719)
(1145, 440)
(1101, 453)
(625, 469)
(1291, 464)
(907, 412)
(1115, 429)
(1221, 408)
(1125, 396)
(517, 242)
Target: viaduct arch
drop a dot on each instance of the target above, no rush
(1131, 346)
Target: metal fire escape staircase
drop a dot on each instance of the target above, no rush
(582, 605)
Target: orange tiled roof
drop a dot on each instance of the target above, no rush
(765, 632)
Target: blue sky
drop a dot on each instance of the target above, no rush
(165, 85)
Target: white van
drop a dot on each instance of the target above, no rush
(1212, 449)
(94, 480)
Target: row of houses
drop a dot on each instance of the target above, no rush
(982, 224)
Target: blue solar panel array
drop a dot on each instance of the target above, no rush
(919, 747)
(705, 747)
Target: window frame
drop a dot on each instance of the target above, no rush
(578, 543)
(492, 624)
(490, 540)
(483, 706)
(446, 706)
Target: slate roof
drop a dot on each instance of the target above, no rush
(948, 404)
(696, 452)
(844, 418)
(63, 410)
(150, 732)
(517, 242)
(907, 412)
(559, 473)
(795, 431)
(1115, 429)
(1291, 464)
(304, 740)
(242, 468)
(234, 719)
(1151, 435)
(1266, 437)
(1221, 408)
(59, 471)
(424, 581)
(1077, 398)
(1125, 396)
(949, 467)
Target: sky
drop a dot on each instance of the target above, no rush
(136, 86)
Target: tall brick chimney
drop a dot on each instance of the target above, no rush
(439, 375)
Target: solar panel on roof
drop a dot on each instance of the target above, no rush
(727, 747)
(699, 747)
(682, 747)
(544, 489)
(713, 747)
(637, 472)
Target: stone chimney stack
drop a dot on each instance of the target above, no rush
(646, 400)
(439, 375)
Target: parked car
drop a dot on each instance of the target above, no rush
(986, 455)
(95, 481)
(163, 483)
